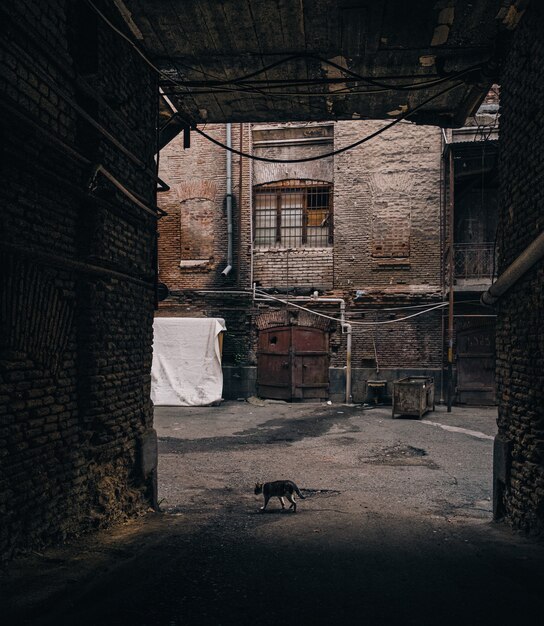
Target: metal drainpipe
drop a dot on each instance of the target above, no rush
(347, 328)
(251, 261)
(531, 255)
(451, 279)
(227, 269)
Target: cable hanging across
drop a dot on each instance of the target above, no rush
(352, 322)
(252, 89)
(333, 152)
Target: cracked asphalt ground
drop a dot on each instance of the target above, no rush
(395, 528)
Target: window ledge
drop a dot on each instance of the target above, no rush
(274, 249)
(391, 264)
(192, 263)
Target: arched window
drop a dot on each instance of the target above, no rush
(293, 214)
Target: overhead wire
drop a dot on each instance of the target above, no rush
(403, 308)
(145, 58)
(399, 119)
(160, 72)
(129, 41)
(377, 83)
(347, 91)
(355, 77)
(370, 81)
(281, 84)
(217, 82)
(242, 87)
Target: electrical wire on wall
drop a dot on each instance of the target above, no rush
(267, 296)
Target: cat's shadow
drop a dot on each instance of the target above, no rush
(272, 512)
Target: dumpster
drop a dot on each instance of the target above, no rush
(413, 395)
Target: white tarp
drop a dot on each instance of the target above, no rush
(186, 368)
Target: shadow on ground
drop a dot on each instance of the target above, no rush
(273, 431)
(395, 529)
(384, 572)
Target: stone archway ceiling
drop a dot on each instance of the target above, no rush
(287, 60)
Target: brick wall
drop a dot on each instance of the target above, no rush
(386, 236)
(77, 287)
(387, 207)
(193, 250)
(200, 173)
(519, 462)
(307, 268)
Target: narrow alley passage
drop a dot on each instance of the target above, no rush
(395, 528)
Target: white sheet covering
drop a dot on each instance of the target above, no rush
(186, 368)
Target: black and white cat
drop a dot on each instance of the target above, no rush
(279, 489)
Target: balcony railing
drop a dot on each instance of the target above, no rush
(474, 260)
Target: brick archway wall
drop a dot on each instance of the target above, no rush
(519, 447)
(286, 317)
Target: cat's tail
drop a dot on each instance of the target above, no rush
(299, 494)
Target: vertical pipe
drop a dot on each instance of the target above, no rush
(451, 277)
(346, 328)
(240, 196)
(348, 363)
(442, 337)
(443, 199)
(227, 269)
(250, 184)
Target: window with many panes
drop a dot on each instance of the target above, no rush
(293, 214)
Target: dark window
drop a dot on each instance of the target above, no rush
(293, 214)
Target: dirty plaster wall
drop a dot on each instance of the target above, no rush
(76, 445)
(519, 457)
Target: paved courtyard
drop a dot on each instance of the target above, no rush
(395, 527)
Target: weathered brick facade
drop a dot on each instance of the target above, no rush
(76, 439)
(77, 290)
(387, 208)
(519, 463)
(386, 242)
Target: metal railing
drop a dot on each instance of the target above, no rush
(474, 260)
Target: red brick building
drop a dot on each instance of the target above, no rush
(360, 236)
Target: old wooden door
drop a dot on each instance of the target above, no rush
(293, 363)
(476, 361)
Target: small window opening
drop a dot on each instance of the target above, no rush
(293, 214)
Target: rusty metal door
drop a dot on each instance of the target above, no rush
(293, 363)
(476, 361)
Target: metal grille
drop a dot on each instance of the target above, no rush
(293, 214)
(474, 260)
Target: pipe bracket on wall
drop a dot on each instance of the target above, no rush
(186, 137)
